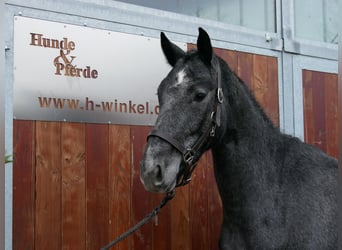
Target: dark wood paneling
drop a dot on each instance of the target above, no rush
(230, 57)
(260, 83)
(96, 186)
(180, 219)
(308, 107)
(265, 85)
(23, 184)
(331, 117)
(245, 68)
(271, 99)
(199, 206)
(320, 110)
(88, 188)
(48, 186)
(162, 225)
(73, 185)
(141, 199)
(119, 183)
(214, 206)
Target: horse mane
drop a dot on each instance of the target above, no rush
(251, 97)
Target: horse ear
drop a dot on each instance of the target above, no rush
(171, 51)
(204, 46)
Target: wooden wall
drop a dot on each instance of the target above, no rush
(77, 186)
(320, 110)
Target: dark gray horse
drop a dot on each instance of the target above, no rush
(277, 192)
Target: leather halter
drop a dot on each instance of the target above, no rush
(184, 175)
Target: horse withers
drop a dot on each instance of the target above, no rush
(277, 192)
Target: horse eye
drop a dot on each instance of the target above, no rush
(200, 96)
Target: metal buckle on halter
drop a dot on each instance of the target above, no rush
(212, 131)
(184, 182)
(213, 128)
(188, 157)
(220, 95)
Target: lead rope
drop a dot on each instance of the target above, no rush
(147, 218)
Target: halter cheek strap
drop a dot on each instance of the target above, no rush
(188, 154)
(184, 176)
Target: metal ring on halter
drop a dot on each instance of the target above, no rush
(220, 95)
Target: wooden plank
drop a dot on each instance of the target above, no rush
(73, 185)
(231, 58)
(119, 183)
(162, 226)
(319, 110)
(271, 97)
(199, 206)
(245, 68)
(308, 107)
(218, 52)
(23, 185)
(331, 120)
(214, 206)
(96, 185)
(180, 219)
(260, 83)
(48, 185)
(141, 199)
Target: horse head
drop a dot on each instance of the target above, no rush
(189, 98)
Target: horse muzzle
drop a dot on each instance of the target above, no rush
(159, 173)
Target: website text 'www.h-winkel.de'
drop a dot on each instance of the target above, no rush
(128, 107)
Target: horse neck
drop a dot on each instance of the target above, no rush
(241, 154)
(243, 115)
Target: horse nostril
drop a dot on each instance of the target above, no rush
(158, 174)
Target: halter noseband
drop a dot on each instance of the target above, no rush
(184, 176)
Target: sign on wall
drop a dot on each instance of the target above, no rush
(65, 72)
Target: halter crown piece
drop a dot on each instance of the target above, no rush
(184, 176)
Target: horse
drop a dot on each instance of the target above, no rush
(277, 192)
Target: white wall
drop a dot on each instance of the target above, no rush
(2, 125)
